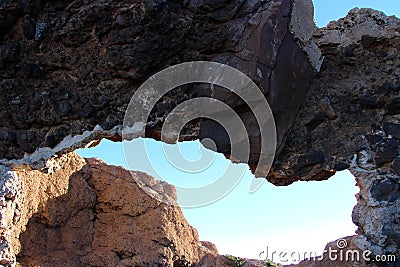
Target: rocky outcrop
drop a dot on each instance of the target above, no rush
(83, 212)
(377, 211)
(86, 213)
(351, 99)
(350, 121)
(68, 67)
(68, 70)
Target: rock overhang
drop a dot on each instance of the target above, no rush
(79, 70)
(52, 109)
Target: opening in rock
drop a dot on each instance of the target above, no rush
(54, 205)
(302, 217)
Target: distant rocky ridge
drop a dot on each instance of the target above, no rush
(68, 70)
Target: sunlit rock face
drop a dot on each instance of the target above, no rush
(86, 213)
(83, 212)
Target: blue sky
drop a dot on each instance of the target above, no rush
(328, 10)
(301, 217)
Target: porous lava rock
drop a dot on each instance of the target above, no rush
(67, 67)
(68, 70)
(359, 84)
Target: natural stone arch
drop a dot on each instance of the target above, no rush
(68, 68)
(120, 46)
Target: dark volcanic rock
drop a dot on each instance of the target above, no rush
(386, 190)
(396, 166)
(359, 77)
(393, 107)
(363, 107)
(392, 129)
(87, 59)
(29, 28)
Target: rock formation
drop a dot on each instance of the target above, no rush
(86, 213)
(83, 212)
(350, 121)
(69, 68)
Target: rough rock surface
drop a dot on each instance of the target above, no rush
(66, 67)
(83, 212)
(354, 96)
(86, 213)
(69, 66)
(351, 121)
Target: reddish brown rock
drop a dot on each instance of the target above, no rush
(90, 214)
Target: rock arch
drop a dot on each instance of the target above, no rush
(69, 69)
